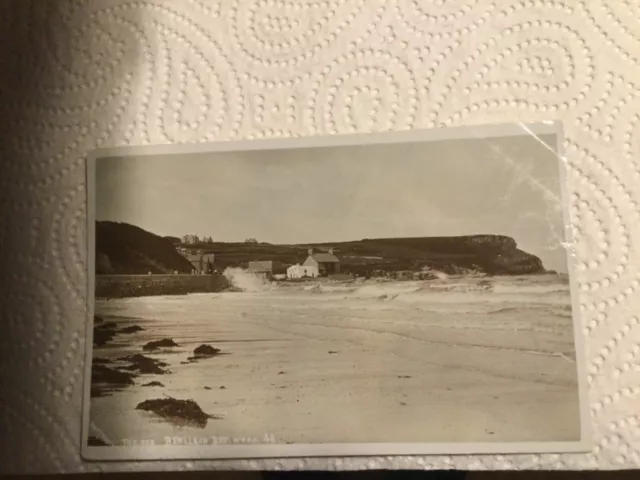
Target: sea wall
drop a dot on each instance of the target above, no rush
(120, 286)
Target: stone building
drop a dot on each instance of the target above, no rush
(326, 262)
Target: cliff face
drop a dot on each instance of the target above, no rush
(127, 249)
(492, 254)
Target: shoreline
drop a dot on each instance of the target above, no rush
(151, 285)
(347, 361)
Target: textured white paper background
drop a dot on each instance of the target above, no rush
(79, 74)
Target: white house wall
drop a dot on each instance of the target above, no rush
(300, 271)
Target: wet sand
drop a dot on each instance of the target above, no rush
(337, 367)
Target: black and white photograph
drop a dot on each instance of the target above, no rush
(402, 290)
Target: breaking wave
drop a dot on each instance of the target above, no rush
(246, 282)
(502, 296)
(497, 287)
(530, 289)
(499, 295)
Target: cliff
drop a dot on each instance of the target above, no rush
(491, 254)
(126, 249)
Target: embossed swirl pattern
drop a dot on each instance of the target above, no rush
(141, 72)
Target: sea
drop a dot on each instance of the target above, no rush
(456, 359)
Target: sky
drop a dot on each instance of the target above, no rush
(504, 185)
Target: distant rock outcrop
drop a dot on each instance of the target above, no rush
(491, 254)
(126, 249)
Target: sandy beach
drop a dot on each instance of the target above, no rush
(462, 360)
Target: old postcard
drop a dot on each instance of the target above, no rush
(399, 293)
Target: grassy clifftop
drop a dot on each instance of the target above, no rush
(492, 254)
(123, 248)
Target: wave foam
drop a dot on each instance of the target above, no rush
(530, 289)
(247, 282)
(489, 295)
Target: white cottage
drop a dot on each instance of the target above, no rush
(300, 271)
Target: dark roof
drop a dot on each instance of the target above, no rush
(324, 258)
